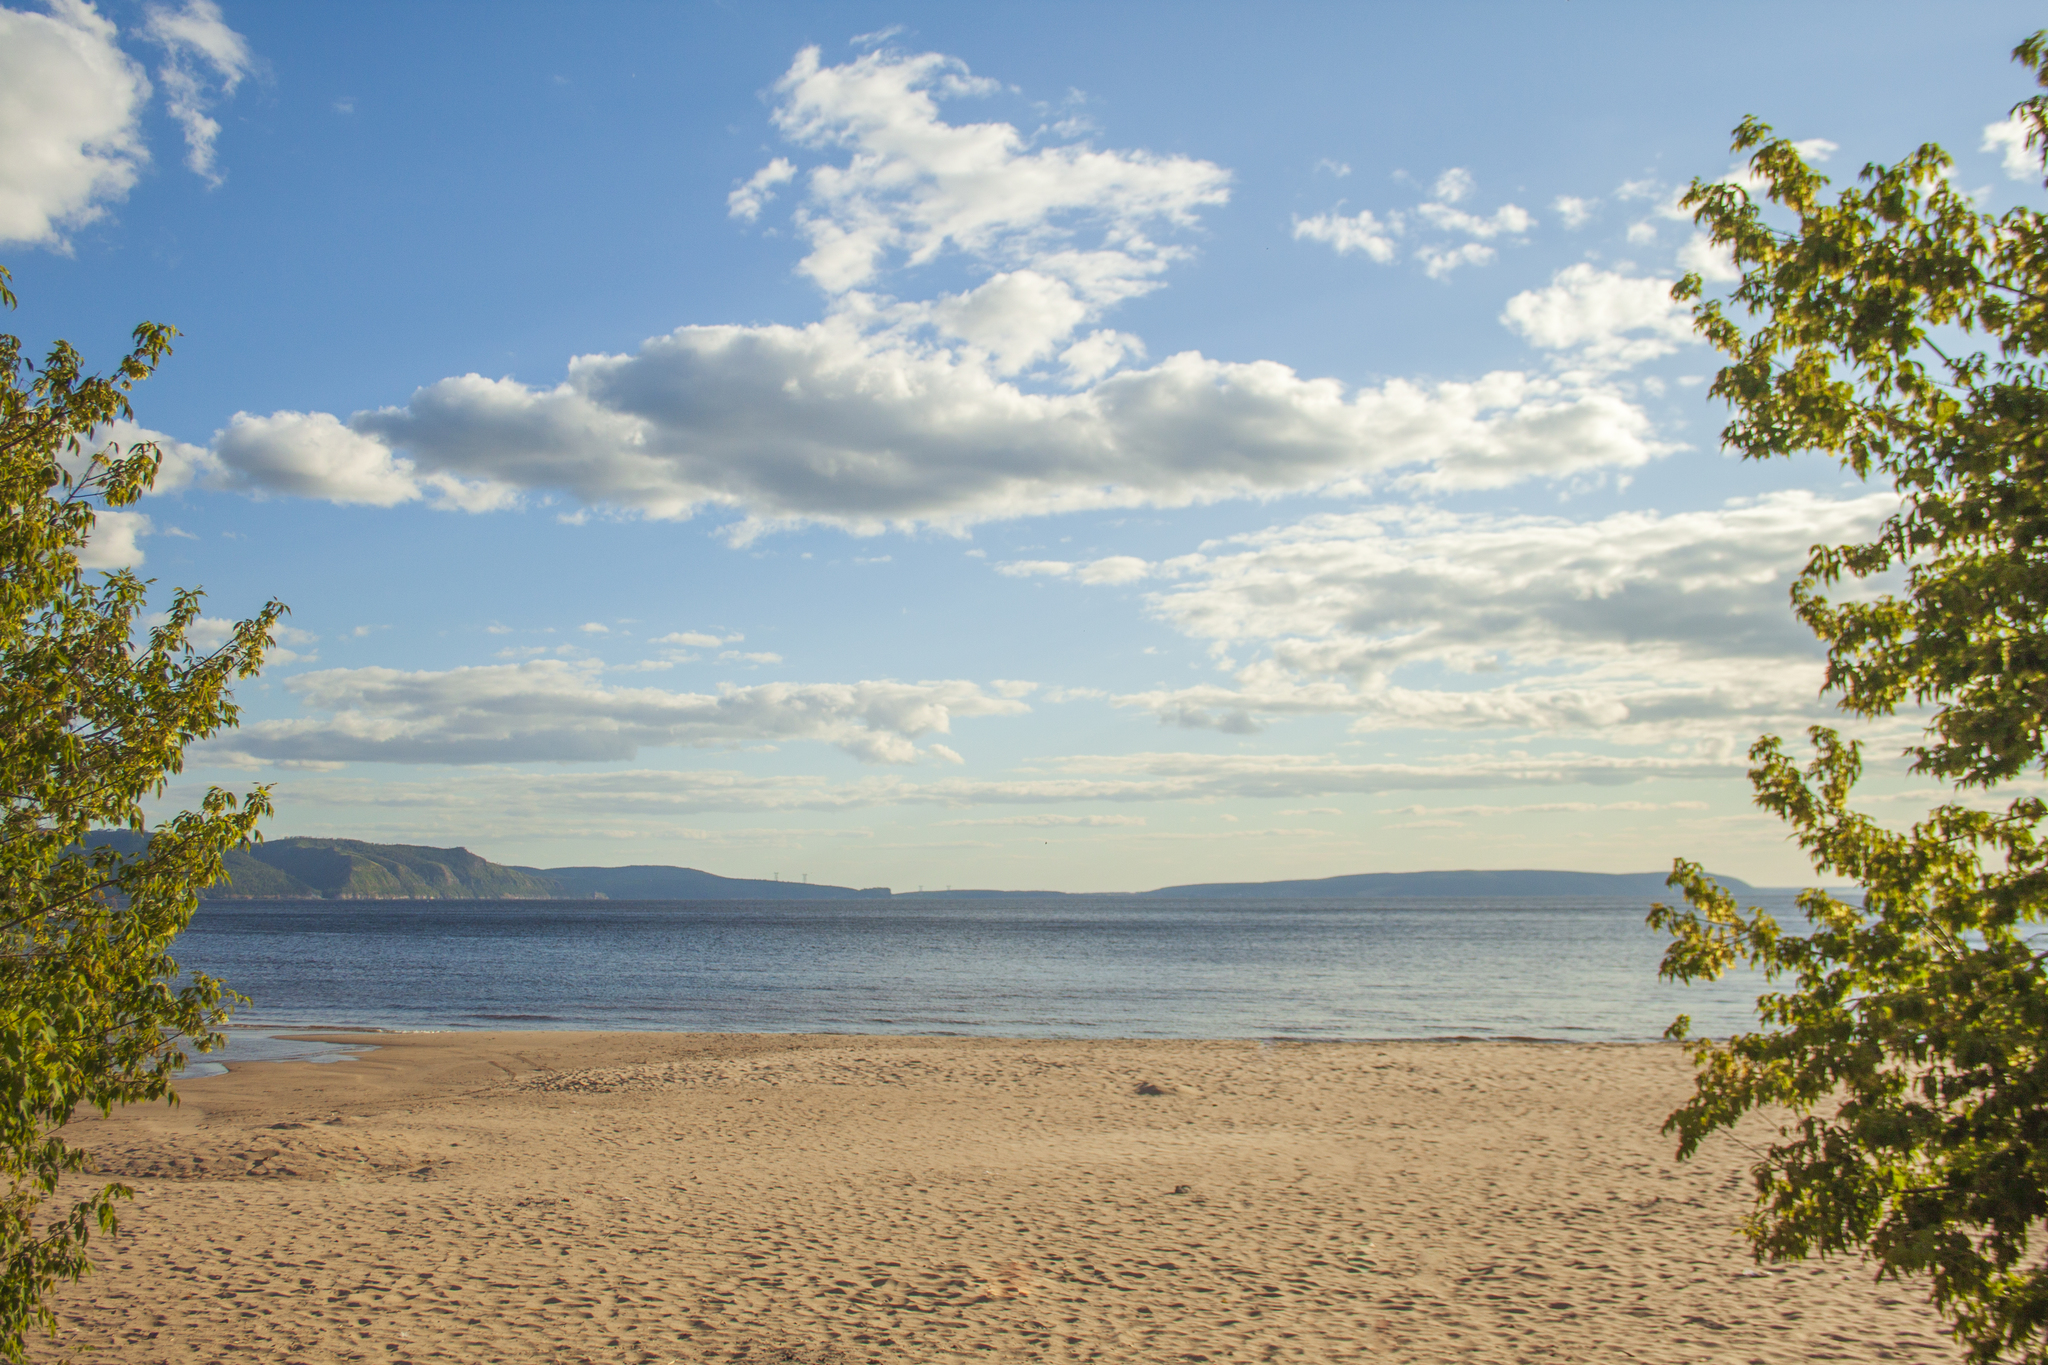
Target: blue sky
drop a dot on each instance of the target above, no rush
(1083, 447)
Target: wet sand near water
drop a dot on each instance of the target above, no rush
(642, 1197)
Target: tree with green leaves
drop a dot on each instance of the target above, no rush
(93, 721)
(1900, 328)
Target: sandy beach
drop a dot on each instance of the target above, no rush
(571, 1197)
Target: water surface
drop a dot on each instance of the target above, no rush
(1081, 967)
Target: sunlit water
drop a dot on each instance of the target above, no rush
(1080, 967)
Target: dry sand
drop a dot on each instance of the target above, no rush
(662, 1197)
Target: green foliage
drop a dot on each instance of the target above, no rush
(1867, 307)
(1909, 1045)
(91, 724)
(1905, 1040)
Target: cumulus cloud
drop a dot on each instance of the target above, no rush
(71, 101)
(1606, 319)
(208, 633)
(548, 710)
(204, 60)
(1439, 261)
(180, 464)
(69, 140)
(1575, 212)
(1361, 231)
(915, 185)
(746, 202)
(1715, 263)
(2009, 139)
(1508, 220)
(115, 540)
(1377, 237)
(313, 455)
(1646, 628)
(696, 639)
(830, 424)
(949, 410)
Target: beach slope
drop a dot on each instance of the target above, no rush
(645, 1197)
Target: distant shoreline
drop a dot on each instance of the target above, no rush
(309, 868)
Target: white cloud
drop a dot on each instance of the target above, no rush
(1607, 319)
(1439, 261)
(829, 425)
(892, 413)
(1364, 231)
(1026, 568)
(696, 639)
(1715, 263)
(1575, 212)
(1507, 220)
(69, 100)
(556, 802)
(313, 455)
(595, 628)
(1115, 569)
(914, 185)
(2009, 139)
(746, 202)
(1359, 232)
(114, 542)
(1049, 822)
(1112, 569)
(209, 633)
(547, 710)
(1453, 185)
(1547, 808)
(1642, 627)
(1096, 354)
(1339, 169)
(1663, 199)
(200, 53)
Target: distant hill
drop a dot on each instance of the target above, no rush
(1450, 885)
(350, 869)
(651, 883)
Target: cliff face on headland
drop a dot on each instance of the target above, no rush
(349, 869)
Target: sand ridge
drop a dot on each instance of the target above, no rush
(665, 1197)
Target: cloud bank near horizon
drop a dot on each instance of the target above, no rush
(1641, 628)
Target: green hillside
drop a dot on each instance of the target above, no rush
(349, 869)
